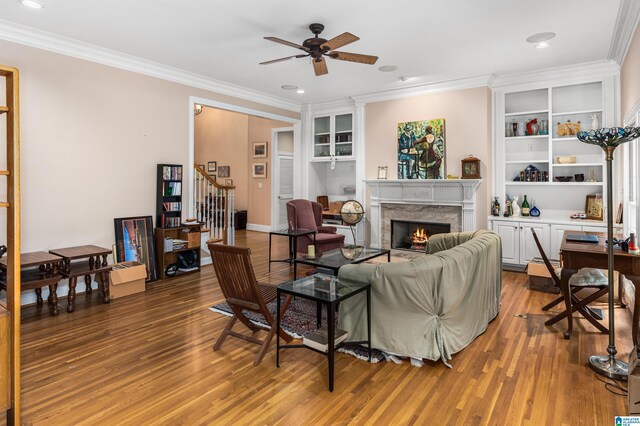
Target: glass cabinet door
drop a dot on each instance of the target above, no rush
(322, 137)
(344, 135)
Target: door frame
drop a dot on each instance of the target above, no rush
(275, 171)
(193, 100)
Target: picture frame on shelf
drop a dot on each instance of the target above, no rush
(259, 170)
(471, 167)
(382, 172)
(260, 150)
(594, 207)
(224, 171)
(211, 166)
(228, 182)
(135, 242)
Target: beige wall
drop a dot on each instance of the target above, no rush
(222, 136)
(91, 138)
(260, 198)
(227, 138)
(630, 75)
(467, 115)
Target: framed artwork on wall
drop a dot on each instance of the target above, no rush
(211, 166)
(421, 149)
(228, 182)
(259, 170)
(134, 242)
(259, 149)
(224, 171)
(202, 167)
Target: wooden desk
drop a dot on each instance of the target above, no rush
(95, 263)
(39, 269)
(589, 255)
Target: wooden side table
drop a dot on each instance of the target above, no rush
(89, 260)
(38, 269)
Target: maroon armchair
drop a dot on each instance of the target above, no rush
(305, 214)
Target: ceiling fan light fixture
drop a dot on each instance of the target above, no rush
(388, 68)
(31, 4)
(289, 87)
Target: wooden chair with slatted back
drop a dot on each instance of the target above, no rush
(244, 293)
(578, 281)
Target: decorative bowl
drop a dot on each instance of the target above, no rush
(579, 177)
(564, 178)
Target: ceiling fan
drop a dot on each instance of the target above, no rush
(317, 48)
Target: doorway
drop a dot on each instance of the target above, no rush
(282, 178)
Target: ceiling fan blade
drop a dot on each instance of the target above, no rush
(320, 66)
(354, 57)
(339, 41)
(286, 43)
(273, 61)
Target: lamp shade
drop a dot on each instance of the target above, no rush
(609, 136)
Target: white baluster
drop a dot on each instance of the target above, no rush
(231, 232)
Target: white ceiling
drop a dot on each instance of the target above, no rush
(428, 39)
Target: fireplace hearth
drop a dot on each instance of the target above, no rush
(414, 235)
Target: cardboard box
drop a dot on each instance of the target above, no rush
(192, 238)
(539, 277)
(127, 278)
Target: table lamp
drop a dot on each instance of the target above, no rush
(608, 139)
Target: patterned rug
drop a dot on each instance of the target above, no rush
(300, 319)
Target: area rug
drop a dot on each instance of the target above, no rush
(300, 319)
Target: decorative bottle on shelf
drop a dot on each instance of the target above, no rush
(525, 207)
(515, 208)
(507, 208)
(535, 211)
(495, 209)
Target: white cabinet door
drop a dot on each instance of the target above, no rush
(510, 234)
(556, 239)
(528, 247)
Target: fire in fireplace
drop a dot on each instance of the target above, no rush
(414, 235)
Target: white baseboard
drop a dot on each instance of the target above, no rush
(259, 228)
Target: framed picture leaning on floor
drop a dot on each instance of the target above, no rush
(134, 242)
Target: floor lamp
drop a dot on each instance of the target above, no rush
(608, 139)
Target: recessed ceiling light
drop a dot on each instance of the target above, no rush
(31, 3)
(387, 68)
(289, 87)
(540, 37)
(300, 91)
(542, 45)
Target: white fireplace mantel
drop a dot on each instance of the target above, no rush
(429, 192)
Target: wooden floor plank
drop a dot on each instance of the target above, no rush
(148, 359)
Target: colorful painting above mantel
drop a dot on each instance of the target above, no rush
(421, 149)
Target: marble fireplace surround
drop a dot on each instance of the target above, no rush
(450, 201)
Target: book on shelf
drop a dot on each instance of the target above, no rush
(169, 222)
(168, 245)
(172, 189)
(172, 173)
(172, 207)
(319, 339)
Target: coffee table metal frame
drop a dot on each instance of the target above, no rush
(331, 303)
(293, 243)
(317, 261)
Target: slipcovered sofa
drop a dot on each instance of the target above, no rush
(434, 305)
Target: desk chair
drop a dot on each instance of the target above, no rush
(243, 293)
(585, 278)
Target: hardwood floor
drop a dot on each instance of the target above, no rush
(148, 359)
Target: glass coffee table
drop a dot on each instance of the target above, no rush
(337, 258)
(324, 290)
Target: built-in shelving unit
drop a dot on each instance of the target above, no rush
(556, 102)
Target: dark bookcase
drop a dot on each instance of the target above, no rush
(169, 196)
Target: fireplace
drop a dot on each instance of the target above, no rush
(413, 235)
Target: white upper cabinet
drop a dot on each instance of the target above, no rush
(333, 136)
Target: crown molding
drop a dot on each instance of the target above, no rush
(28, 36)
(626, 24)
(423, 89)
(331, 106)
(596, 69)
